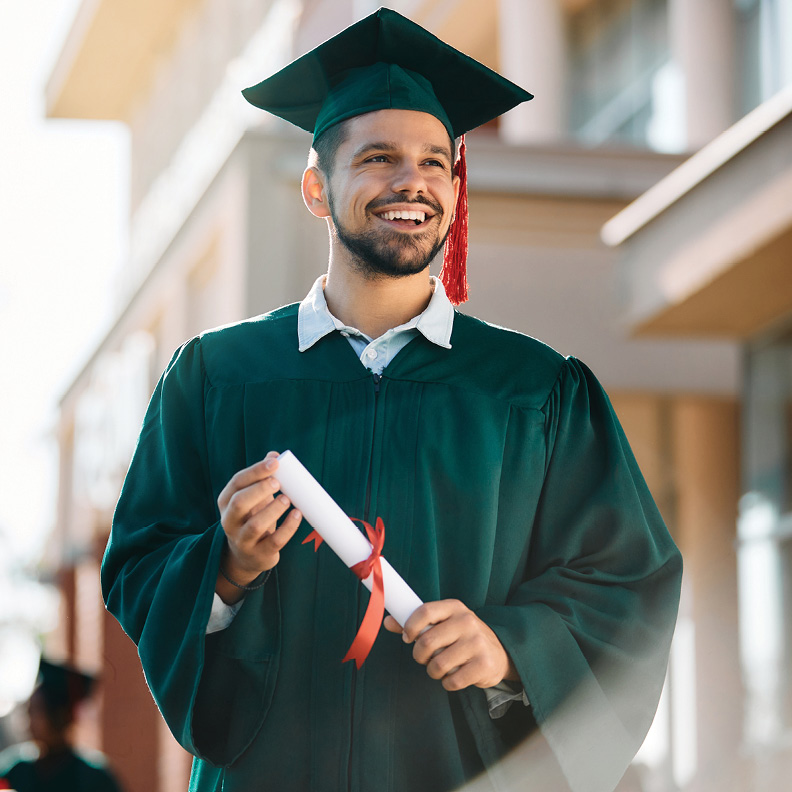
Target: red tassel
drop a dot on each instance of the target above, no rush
(454, 272)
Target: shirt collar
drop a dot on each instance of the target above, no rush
(314, 320)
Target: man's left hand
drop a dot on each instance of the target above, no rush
(455, 645)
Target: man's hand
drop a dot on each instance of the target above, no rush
(455, 645)
(249, 511)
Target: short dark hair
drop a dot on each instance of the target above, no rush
(323, 152)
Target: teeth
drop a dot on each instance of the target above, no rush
(401, 215)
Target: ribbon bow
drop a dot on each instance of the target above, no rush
(372, 619)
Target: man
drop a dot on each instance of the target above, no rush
(51, 763)
(511, 502)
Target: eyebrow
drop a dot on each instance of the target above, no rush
(389, 146)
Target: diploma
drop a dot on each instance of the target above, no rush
(341, 534)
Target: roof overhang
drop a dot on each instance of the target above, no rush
(110, 56)
(708, 250)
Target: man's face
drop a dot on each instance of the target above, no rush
(42, 728)
(392, 192)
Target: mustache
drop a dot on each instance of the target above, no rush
(379, 203)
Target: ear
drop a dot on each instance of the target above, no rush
(457, 182)
(314, 193)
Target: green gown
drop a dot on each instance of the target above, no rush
(503, 479)
(22, 770)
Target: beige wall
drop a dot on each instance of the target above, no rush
(187, 76)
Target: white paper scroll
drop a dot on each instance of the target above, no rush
(341, 534)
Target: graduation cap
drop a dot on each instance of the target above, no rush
(386, 61)
(63, 687)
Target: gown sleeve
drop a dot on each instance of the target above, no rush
(589, 625)
(160, 569)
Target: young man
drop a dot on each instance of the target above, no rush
(511, 502)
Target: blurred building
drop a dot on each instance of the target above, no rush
(685, 315)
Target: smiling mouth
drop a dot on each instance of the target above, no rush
(403, 218)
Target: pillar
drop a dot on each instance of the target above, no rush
(702, 44)
(533, 55)
(706, 467)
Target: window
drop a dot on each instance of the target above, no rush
(620, 71)
(765, 540)
(764, 32)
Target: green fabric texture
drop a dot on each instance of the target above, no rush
(377, 87)
(67, 771)
(509, 487)
(385, 61)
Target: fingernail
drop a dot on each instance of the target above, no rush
(274, 483)
(283, 499)
(270, 464)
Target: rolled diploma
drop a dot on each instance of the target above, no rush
(341, 534)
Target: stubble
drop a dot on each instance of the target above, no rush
(384, 252)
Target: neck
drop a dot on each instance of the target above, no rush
(53, 746)
(375, 305)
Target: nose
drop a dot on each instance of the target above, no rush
(408, 179)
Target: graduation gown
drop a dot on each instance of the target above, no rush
(64, 771)
(503, 479)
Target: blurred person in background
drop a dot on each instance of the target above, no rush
(50, 762)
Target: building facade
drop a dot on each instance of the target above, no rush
(626, 91)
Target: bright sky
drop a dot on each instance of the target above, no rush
(62, 226)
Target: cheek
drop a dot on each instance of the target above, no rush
(451, 195)
(443, 192)
(447, 201)
(367, 189)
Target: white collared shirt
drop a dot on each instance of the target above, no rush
(435, 323)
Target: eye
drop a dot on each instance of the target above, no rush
(377, 158)
(435, 163)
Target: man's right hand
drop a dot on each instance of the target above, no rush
(249, 511)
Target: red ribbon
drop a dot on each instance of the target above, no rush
(313, 537)
(372, 619)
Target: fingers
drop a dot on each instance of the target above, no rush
(247, 505)
(442, 636)
(259, 547)
(468, 661)
(250, 508)
(256, 526)
(285, 531)
(429, 614)
(247, 477)
(456, 646)
(391, 625)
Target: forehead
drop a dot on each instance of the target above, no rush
(407, 128)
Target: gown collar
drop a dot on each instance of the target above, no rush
(314, 320)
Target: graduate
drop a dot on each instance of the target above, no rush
(511, 502)
(51, 763)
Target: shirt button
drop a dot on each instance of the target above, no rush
(371, 354)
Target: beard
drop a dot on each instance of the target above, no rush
(385, 252)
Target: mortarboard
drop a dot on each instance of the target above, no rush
(63, 687)
(387, 61)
